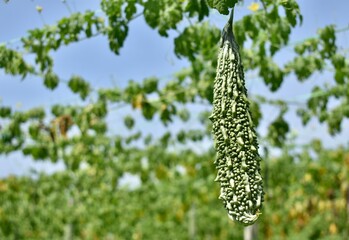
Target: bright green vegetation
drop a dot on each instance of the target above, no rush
(306, 186)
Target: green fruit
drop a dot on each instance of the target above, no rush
(238, 161)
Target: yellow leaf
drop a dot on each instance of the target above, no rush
(307, 177)
(137, 101)
(161, 172)
(254, 7)
(179, 214)
(322, 205)
(3, 186)
(38, 8)
(292, 213)
(333, 228)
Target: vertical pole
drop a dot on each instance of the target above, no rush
(251, 232)
(191, 227)
(347, 200)
(69, 226)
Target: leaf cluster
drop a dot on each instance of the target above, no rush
(176, 197)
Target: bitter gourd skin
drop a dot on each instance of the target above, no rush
(238, 160)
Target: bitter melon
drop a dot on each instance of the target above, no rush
(238, 160)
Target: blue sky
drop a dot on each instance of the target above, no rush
(145, 54)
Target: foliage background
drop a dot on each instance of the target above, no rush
(118, 178)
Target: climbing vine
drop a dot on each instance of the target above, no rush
(176, 197)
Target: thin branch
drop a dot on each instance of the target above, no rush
(74, 5)
(119, 106)
(264, 6)
(67, 6)
(188, 19)
(344, 29)
(39, 11)
(135, 16)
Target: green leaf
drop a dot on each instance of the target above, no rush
(148, 110)
(117, 33)
(112, 94)
(133, 137)
(339, 77)
(292, 11)
(184, 114)
(13, 63)
(255, 112)
(51, 80)
(130, 9)
(318, 101)
(181, 136)
(57, 110)
(328, 38)
(129, 122)
(133, 88)
(118, 26)
(99, 127)
(200, 39)
(197, 7)
(78, 85)
(148, 139)
(36, 113)
(305, 116)
(165, 139)
(34, 130)
(163, 14)
(150, 85)
(335, 121)
(338, 61)
(272, 74)
(99, 109)
(5, 112)
(166, 113)
(195, 135)
(37, 152)
(222, 5)
(277, 131)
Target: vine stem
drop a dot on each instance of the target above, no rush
(231, 18)
(228, 35)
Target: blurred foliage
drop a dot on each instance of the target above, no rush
(307, 187)
(306, 198)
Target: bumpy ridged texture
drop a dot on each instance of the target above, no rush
(238, 161)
